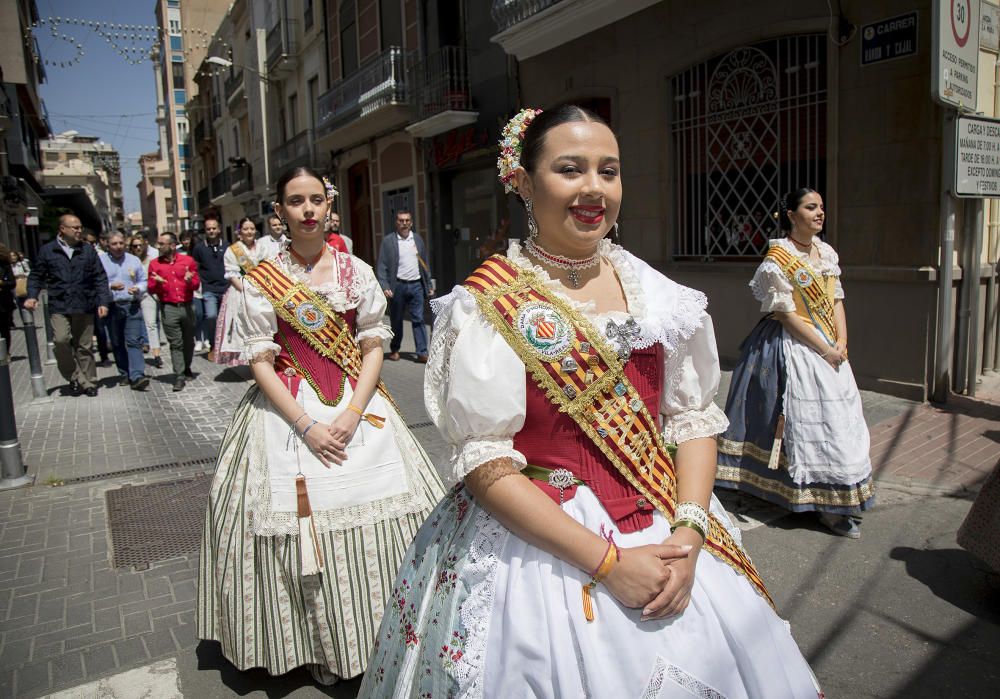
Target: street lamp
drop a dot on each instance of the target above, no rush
(226, 63)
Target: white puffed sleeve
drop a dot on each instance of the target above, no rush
(230, 265)
(370, 318)
(254, 324)
(474, 387)
(832, 267)
(690, 382)
(771, 287)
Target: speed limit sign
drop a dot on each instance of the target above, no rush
(955, 57)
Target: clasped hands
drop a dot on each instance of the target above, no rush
(657, 577)
(836, 355)
(329, 442)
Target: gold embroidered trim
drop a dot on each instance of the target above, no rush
(850, 497)
(733, 448)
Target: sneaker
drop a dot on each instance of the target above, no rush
(841, 525)
(179, 384)
(140, 383)
(197, 346)
(123, 381)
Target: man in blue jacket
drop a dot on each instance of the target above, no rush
(405, 278)
(77, 284)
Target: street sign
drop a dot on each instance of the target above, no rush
(889, 39)
(989, 28)
(955, 59)
(977, 157)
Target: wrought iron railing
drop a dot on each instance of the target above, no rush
(382, 81)
(295, 151)
(221, 183)
(281, 41)
(233, 84)
(441, 83)
(242, 179)
(507, 13)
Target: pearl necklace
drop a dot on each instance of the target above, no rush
(572, 266)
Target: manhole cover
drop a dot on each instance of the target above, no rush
(153, 522)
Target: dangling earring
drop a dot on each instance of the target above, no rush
(532, 224)
(614, 234)
(284, 223)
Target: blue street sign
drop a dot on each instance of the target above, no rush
(889, 39)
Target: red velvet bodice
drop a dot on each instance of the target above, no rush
(325, 373)
(551, 439)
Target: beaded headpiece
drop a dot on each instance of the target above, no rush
(511, 143)
(331, 191)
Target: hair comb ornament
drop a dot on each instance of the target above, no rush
(511, 143)
(331, 191)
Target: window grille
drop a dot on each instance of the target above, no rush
(747, 127)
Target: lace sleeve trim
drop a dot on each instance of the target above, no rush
(255, 348)
(476, 452)
(695, 424)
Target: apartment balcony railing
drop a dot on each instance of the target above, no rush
(296, 151)
(507, 13)
(282, 47)
(442, 99)
(381, 82)
(241, 180)
(204, 198)
(221, 184)
(234, 85)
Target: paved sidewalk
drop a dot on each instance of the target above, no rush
(68, 618)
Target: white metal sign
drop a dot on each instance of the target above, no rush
(977, 157)
(989, 28)
(955, 59)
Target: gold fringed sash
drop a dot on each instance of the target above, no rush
(311, 316)
(242, 255)
(814, 290)
(583, 377)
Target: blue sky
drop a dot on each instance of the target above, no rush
(102, 95)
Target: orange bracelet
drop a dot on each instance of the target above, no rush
(611, 557)
(355, 409)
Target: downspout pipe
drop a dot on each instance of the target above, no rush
(942, 345)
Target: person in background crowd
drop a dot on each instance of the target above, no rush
(336, 227)
(8, 300)
(333, 237)
(127, 281)
(212, 272)
(173, 277)
(150, 314)
(406, 279)
(185, 243)
(103, 241)
(241, 257)
(101, 336)
(77, 288)
(186, 246)
(797, 435)
(21, 271)
(276, 229)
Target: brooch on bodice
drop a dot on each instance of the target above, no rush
(624, 336)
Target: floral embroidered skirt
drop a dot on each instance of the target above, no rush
(478, 612)
(251, 595)
(824, 463)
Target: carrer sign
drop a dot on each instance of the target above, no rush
(955, 60)
(977, 157)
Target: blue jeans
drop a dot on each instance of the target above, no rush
(126, 326)
(210, 301)
(408, 300)
(199, 318)
(102, 333)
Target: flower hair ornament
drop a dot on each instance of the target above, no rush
(511, 143)
(331, 191)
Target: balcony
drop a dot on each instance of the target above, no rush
(296, 151)
(531, 27)
(373, 100)
(282, 48)
(234, 86)
(242, 180)
(220, 184)
(204, 200)
(442, 100)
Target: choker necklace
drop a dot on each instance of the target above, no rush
(567, 263)
(808, 246)
(308, 265)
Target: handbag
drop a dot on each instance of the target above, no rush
(21, 287)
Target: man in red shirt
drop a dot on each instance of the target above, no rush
(173, 278)
(333, 237)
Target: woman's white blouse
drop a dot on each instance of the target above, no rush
(475, 384)
(771, 287)
(255, 323)
(260, 251)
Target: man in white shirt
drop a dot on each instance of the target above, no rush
(405, 277)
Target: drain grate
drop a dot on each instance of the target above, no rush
(141, 469)
(153, 522)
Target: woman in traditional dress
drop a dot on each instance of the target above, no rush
(319, 486)
(239, 258)
(568, 561)
(797, 436)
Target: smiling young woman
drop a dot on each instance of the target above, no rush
(575, 385)
(319, 485)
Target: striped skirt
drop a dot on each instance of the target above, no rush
(251, 595)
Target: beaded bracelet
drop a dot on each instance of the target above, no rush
(694, 513)
(296, 421)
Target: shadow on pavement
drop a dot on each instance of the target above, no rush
(955, 576)
(210, 659)
(233, 374)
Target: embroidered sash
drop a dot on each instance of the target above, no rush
(814, 290)
(242, 256)
(583, 377)
(326, 331)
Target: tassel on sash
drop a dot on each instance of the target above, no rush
(309, 553)
(779, 434)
